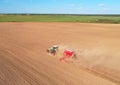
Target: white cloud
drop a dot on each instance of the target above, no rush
(81, 8)
(101, 5)
(113, 9)
(108, 10)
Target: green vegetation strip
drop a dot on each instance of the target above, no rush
(59, 18)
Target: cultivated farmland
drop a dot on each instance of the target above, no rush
(24, 61)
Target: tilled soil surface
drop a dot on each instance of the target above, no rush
(24, 61)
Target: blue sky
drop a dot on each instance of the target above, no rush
(61, 6)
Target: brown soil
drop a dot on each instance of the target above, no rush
(24, 61)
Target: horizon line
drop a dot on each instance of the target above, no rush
(50, 14)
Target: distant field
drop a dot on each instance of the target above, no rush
(60, 18)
